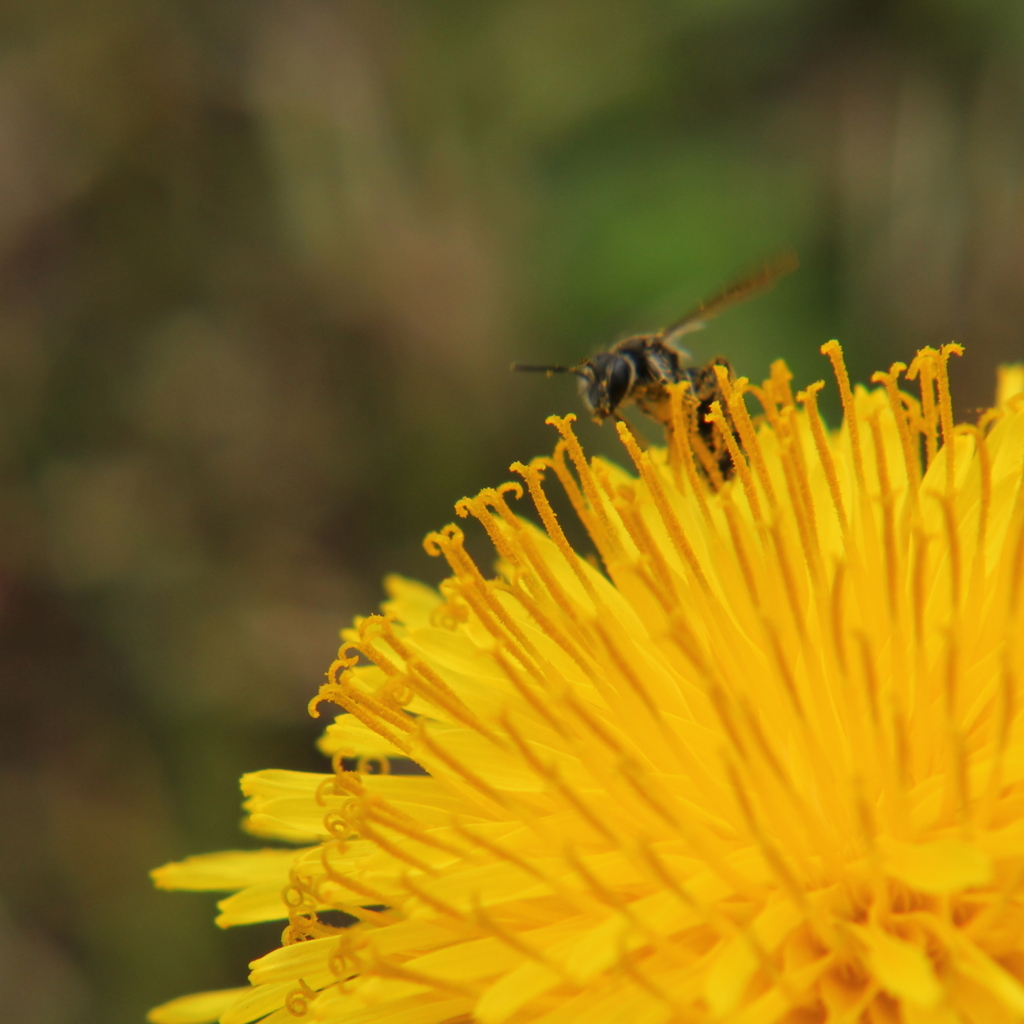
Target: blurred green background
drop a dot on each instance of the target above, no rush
(263, 267)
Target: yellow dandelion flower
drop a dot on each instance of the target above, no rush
(765, 763)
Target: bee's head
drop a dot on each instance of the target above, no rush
(605, 381)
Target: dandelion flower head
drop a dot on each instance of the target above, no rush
(760, 760)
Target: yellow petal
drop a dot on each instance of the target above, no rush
(1004, 444)
(299, 960)
(774, 1004)
(282, 805)
(291, 821)
(199, 1008)
(257, 1002)
(902, 970)
(1005, 842)
(503, 770)
(943, 866)
(227, 871)
(603, 945)
(421, 796)
(252, 905)
(514, 990)
(411, 603)
(1009, 382)
(942, 1014)
(351, 738)
(975, 964)
(408, 937)
(739, 958)
(417, 1009)
(977, 1003)
(275, 783)
(468, 961)
(766, 1009)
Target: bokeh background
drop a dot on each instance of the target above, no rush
(263, 267)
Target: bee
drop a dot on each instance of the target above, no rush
(638, 368)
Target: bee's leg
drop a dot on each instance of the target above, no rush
(641, 441)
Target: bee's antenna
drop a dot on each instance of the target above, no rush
(523, 368)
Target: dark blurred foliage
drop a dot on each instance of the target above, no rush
(264, 266)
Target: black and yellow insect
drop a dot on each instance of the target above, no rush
(638, 368)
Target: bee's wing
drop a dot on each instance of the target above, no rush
(762, 280)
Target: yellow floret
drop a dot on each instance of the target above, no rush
(757, 758)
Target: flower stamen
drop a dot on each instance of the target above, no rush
(649, 475)
(680, 450)
(911, 459)
(740, 464)
(741, 417)
(563, 424)
(809, 398)
(923, 366)
(834, 352)
(534, 476)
